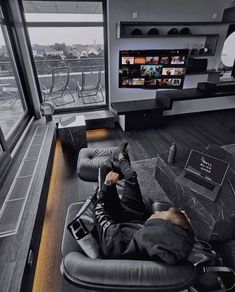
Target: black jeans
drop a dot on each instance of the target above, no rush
(131, 207)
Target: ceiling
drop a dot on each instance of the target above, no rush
(62, 7)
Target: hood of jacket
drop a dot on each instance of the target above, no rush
(161, 239)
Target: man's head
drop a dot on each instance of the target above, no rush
(174, 216)
(166, 235)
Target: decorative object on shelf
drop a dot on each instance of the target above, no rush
(185, 30)
(47, 109)
(203, 51)
(153, 31)
(173, 31)
(172, 153)
(136, 31)
(194, 52)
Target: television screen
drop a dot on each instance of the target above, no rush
(152, 68)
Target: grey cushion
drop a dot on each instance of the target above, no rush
(89, 161)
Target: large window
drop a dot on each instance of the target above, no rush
(1, 149)
(12, 102)
(67, 40)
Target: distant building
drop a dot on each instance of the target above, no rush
(83, 54)
(3, 51)
(39, 52)
(52, 52)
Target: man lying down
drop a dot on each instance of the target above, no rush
(126, 229)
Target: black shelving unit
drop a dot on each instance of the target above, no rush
(210, 40)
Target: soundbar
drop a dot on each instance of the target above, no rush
(211, 87)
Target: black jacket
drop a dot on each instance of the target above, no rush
(153, 239)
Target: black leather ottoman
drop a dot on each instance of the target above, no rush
(89, 161)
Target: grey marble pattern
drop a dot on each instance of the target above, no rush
(73, 136)
(211, 221)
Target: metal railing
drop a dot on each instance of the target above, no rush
(45, 66)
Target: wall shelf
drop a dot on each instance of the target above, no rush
(168, 36)
(208, 41)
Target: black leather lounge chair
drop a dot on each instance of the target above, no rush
(121, 275)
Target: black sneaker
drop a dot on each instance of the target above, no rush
(121, 149)
(126, 156)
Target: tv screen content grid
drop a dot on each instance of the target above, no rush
(152, 68)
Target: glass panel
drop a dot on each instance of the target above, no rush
(1, 150)
(51, 11)
(228, 52)
(70, 64)
(1, 14)
(12, 105)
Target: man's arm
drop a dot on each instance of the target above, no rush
(112, 241)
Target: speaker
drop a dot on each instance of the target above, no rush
(207, 87)
(196, 65)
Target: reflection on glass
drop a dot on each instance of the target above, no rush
(63, 11)
(71, 49)
(12, 105)
(1, 14)
(1, 150)
(50, 17)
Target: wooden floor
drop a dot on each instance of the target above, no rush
(191, 131)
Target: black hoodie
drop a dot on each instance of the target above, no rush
(153, 239)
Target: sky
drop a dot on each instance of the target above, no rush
(67, 35)
(62, 17)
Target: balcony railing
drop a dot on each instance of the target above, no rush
(8, 88)
(45, 66)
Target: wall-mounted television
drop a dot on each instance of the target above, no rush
(152, 69)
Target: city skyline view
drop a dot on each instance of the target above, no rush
(67, 35)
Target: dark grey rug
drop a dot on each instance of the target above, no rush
(149, 186)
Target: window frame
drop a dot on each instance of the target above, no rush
(15, 57)
(5, 158)
(103, 24)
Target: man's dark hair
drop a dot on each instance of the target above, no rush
(179, 218)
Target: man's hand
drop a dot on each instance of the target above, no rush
(112, 177)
